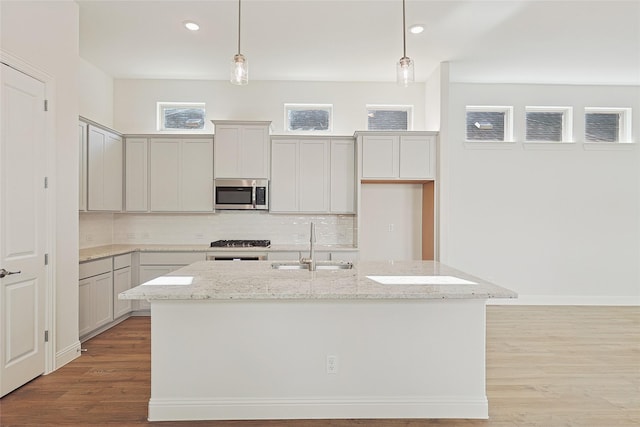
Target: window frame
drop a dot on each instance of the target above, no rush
(567, 123)
(508, 122)
(303, 107)
(160, 117)
(388, 107)
(624, 127)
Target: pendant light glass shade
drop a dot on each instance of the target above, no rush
(239, 70)
(239, 64)
(404, 67)
(405, 74)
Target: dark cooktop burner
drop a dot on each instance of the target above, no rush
(241, 243)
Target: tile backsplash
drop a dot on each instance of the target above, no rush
(99, 229)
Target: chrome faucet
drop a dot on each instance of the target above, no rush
(311, 261)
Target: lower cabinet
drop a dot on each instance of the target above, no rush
(96, 295)
(121, 283)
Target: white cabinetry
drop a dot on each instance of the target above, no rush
(312, 175)
(82, 167)
(408, 156)
(136, 174)
(241, 149)
(95, 295)
(181, 175)
(121, 283)
(104, 170)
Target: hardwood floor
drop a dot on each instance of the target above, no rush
(546, 366)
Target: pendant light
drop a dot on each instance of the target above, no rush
(404, 68)
(239, 64)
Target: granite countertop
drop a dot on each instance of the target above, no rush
(98, 252)
(257, 280)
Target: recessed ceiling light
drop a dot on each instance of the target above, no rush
(190, 25)
(416, 29)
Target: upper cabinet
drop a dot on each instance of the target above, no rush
(241, 149)
(391, 156)
(181, 174)
(312, 175)
(136, 174)
(104, 170)
(82, 167)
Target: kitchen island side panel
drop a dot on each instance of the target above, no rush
(268, 359)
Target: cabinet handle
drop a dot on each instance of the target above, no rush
(4, 272)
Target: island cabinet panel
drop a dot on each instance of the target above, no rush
(181, 175)
(409, 156)
(136, 174)
(104, 170)
(241, 149)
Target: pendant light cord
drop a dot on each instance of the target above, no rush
(239, 2)
(404, 32)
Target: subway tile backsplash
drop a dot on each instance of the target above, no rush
(205, 228)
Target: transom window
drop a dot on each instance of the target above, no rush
(389, 117)
(181, 115)
(548, 124)
(489, 123)
(607, 124)
(308, 117)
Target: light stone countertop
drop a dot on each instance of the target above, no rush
(257, 280)
(90, 254)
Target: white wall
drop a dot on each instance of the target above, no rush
(556, 223)
(135, 101)
(96, 94)
(45, 36)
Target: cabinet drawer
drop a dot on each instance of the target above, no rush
(93, 268)
(121, 261)
(170, 258)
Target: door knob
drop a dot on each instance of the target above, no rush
(4, 272)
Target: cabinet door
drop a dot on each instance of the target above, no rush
(136, 176)
(417, 157)
(102, 296)
(85, 322)
(343, 177)
(255, 152)
(104, 170)
(313, 174)
(121, 283)
(196, 175)
(227, 152)
(284, 176)
(164, 172)
(380, 156)
(82, 188)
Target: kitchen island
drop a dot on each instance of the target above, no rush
(242, 340)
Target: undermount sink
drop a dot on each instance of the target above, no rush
(319, 266)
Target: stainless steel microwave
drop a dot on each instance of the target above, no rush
(241, 194)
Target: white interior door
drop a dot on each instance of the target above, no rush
(22, 229)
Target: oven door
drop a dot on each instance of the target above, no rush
(241, 256)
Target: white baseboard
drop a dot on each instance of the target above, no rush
(317, 408)
(567, 300)
(68, 354)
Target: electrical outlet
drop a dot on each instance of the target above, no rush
(391, 227)
(332, 364)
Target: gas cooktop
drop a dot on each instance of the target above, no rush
(241, 244)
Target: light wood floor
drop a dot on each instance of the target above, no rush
(546, 366)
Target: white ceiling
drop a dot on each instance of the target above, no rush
(542, 41)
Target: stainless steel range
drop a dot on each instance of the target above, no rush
(249, 255)
(241, 244)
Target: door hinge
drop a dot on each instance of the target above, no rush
(46, 182)
(46, 105)
(46, 259)
(46, 336)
